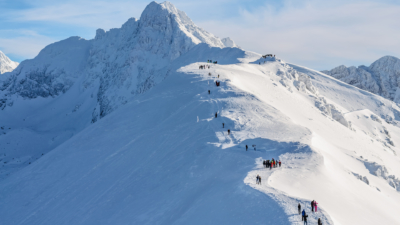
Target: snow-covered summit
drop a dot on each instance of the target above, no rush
(228, 42)
(167, 18)
(121, 62)
(89, 79)
(382, 77)
(171, 147)
(6, 65)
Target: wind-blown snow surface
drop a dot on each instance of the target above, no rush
(159, 156)
(382, 77)
(6, 65)
(165, 159)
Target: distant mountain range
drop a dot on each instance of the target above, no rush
(382, 77)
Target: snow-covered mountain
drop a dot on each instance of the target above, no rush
(6, 65)
(75, 82)
(122, 129)
(228, 42)
(382, 77)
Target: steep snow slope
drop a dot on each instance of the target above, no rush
(75, 82)
(165, 159)
(159, 156)
(6, 65)
(382, 77)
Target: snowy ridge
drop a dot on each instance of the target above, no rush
(159, 155)
(6, 65)
(75, 82)
(382, 77)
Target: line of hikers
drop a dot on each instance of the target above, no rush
(210, 61)
(271, 164)
(202, 67)
(304, 214)
(268, 55)
(268, 163)
(218, 83)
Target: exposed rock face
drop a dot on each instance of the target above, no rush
(6, 65)
(382, 77)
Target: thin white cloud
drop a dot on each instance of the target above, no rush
(93, 14)
(317, 35)
(23, 43)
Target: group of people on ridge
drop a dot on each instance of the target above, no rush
(210, 61)
(304, 215)
(202, 67)
(271, 164)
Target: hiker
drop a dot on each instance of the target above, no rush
(279, 163)
(229, 132)
(247, 147)
(305, 219)
(264, 164)
(223, 125)
(259, 180)
(312, 206)
(209, 91)
(319, 221)
(209, 74)
(216, 115)
(302, 215)
(299, 208)
(315, 206)
(268, 163)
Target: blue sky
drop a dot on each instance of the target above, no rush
(318, 34)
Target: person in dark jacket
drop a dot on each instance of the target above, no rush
(209, 91)
(229, 132)
(302, 215)
(223, 125)
(319, 221)
(299, 208)
(216, 115)
(247, 147)
(305, 219)
(312, 205)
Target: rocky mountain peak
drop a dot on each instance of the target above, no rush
(6, 65)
